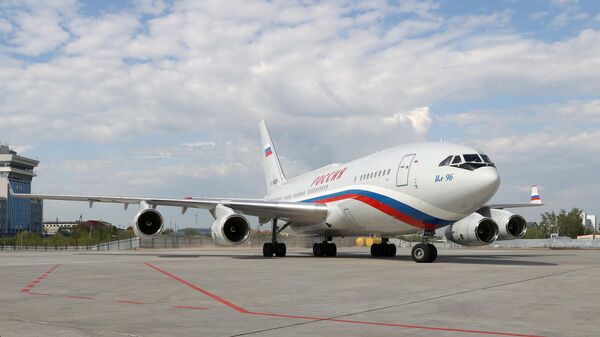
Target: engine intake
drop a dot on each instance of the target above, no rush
(511, 226)
(474, 230)
(148, 223)
(229, 228)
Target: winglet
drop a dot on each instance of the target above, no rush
(535, 196)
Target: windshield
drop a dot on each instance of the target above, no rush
(472, 161)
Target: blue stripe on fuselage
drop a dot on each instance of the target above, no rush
(393, 203)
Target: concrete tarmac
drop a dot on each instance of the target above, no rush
(237, 292)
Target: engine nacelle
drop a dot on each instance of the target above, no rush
(474, 230)
(148, 223)
(510, 226)
(229, 228)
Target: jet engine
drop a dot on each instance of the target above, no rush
(148, 222)
(474, 230)
(510, 226)
(229, 228)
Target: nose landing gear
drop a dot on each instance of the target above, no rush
(425, 252)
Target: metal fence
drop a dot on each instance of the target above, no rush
(131, 243)
(549, 243)
(174, 242)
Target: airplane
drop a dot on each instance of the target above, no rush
(407, 189)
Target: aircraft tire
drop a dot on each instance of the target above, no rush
(268, 249)
(421, 253)
(280, 249)
(318, 249)
(391, 250)
(331, 249)
(376, 249)
(434, 252)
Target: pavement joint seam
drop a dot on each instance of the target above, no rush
(67, 326)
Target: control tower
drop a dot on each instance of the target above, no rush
(17, 215)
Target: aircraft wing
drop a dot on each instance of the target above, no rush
(535, 201)
(299, 212)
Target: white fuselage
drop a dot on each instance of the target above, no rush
(397, 191)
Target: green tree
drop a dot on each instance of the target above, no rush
(189, 232)
(565, 223)
(168, 231)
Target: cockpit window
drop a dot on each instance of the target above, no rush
(472, 158)
(446, 161)
(472, 161)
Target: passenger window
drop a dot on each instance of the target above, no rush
(456, 160)
(446, 161)
(389, 170)
(472, 158)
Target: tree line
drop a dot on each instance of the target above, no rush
(563, 223)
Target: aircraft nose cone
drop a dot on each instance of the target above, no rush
(488, 180)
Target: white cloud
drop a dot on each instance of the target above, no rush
(418, 118)
(193, 75)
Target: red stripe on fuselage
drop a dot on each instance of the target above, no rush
(381, 207)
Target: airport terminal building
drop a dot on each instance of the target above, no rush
(17, 215)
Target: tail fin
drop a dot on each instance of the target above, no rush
(535, 196)
(273, 172)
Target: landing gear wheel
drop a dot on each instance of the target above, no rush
(376, 250)
(318, 249)
(391, 250)
(268, 249)
(330, 249)
(433, 252)
(280, 249)
(421, 253)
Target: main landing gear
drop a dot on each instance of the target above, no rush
(274, 248)
(325, 248)
(425, 252)
(383, 249)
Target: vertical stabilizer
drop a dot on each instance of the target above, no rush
(273, 172)
(535, 196)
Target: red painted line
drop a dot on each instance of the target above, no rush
(38, 280)
(188, 307)
(409, 326)
(195, 287)
(130, 302)
(80, 297)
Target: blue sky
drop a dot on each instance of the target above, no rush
(163, 98)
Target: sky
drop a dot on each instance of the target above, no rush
(163, 98)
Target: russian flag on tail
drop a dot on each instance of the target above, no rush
(268, 151)
(535, 196)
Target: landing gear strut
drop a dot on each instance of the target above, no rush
(383, 249)
(425, 251)
(274, 248)
(325, 248)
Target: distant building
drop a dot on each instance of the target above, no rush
(589, 221)
(17, 215)
(52, 227)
